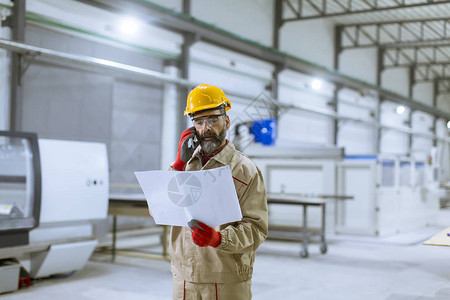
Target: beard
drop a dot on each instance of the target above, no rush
(210, 146)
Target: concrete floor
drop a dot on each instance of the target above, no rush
(398, 268)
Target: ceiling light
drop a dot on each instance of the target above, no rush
(129, 26)
(448, 124)
(316, 84)
(400, 109)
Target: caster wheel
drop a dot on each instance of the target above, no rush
(323, 248)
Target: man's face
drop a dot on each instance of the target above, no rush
(211, 127)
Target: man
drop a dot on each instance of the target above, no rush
(217, 263)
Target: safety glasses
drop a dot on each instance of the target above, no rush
(211, 120)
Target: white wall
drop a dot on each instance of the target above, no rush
(101, 25)
(314, 41)
(245, 78)
(396, 80)
(392, 141)
(169, 131)
(357, 138)
(310, 40)
(4, 77)
(443, 102)
(423, 92)
(421, 146)
(359, 63)
(229, 70)
(299, 126)
(249, 19)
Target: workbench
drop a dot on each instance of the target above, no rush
(136, 205)
(303, 233)
(133, 205)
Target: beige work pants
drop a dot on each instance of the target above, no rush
(185, 290)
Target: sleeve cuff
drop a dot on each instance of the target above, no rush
(223, 240)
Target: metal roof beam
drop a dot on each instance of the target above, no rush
(437, 79)
(426, 54)
(178, 22)
(39, 52)
(394, 22)
(307, 9)
(426, 73)
(443, 86)
(361, 35)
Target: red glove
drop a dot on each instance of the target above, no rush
(186, 146)
(203, 235)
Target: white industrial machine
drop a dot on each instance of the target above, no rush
(391, 195)
(74, 198)
(300, 171)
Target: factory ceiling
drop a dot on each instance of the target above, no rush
(407, 33)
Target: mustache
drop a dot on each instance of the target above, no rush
(208, 134)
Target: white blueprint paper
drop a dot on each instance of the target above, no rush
(176, 197)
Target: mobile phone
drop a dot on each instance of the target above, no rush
(193, 141)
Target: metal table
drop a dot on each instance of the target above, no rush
(132, 205)
(302, 234)
(136, 205)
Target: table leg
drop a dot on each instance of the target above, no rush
(323, 243)
(304, 252)
(113, 258)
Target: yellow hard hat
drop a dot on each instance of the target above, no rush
(205, 96)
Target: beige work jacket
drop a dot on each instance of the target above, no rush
(232, 260)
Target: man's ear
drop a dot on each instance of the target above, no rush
(227, 121)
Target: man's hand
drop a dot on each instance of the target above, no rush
(186, 146)
(203, 235)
